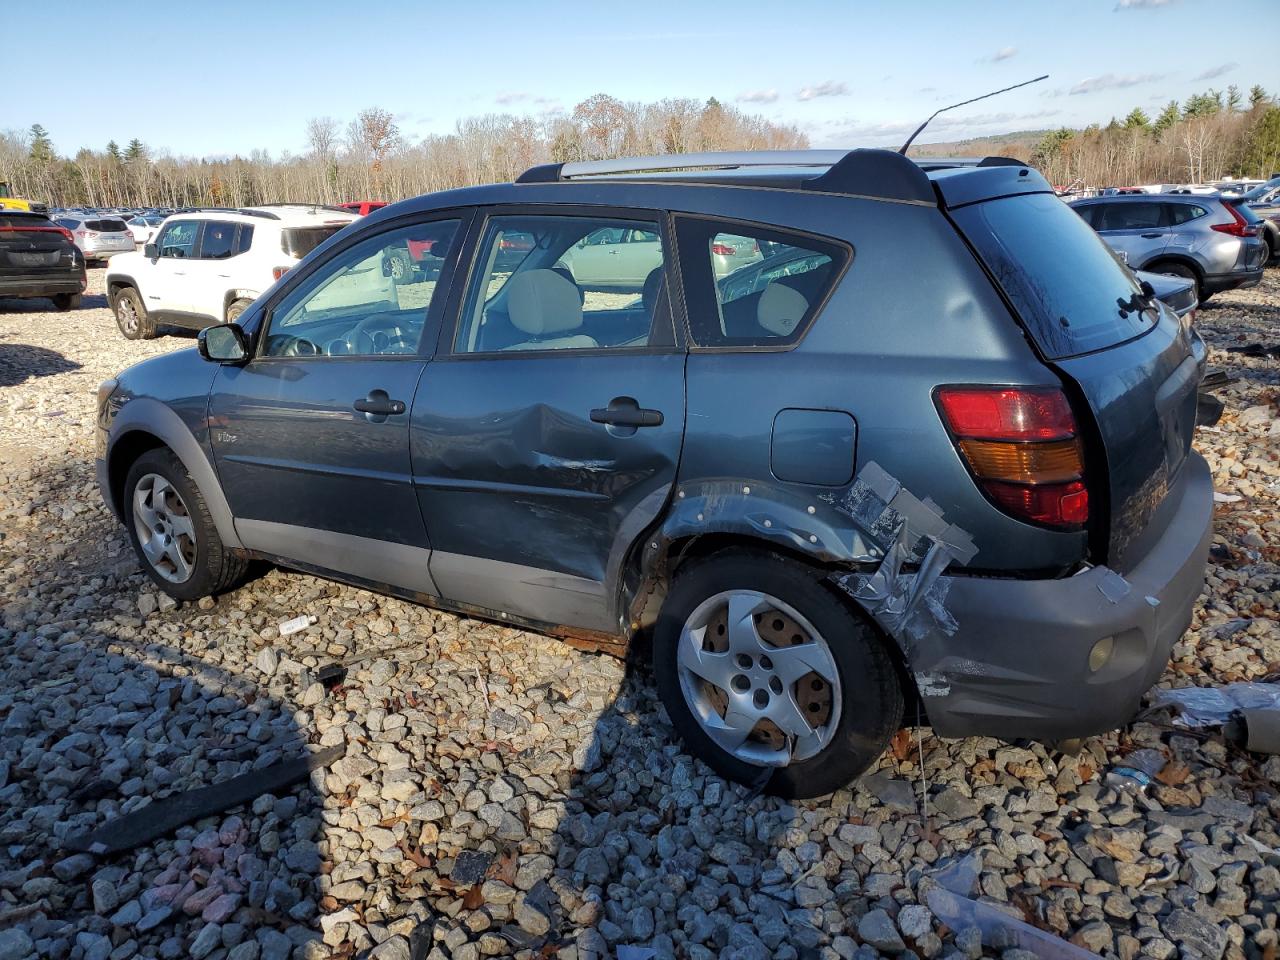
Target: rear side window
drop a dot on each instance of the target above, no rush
(750, 287)
(1090, 213)
(297, 242)
(218, 241)
(1130, 216)
(1072, 292)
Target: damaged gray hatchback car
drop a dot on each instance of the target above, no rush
(850, 434)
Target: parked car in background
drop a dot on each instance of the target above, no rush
(143, 227)
(206, 267)
(1177, 293)
(98, 237)
(751, 467)
(1212, 240)
(361, 207)
(39, 259)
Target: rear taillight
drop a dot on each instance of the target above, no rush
(1238, 227)
(278, 272)
(67, 233)
(1023, 449)
(723, 250)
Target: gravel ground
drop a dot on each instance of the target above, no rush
(503, 794)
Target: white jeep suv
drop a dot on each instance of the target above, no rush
(205, 267)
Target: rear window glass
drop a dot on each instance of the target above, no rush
(27, 221)
(107, 226)
(748, 287)
(1071, 291)
(299, 241)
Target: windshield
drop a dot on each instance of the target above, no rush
(1072, 292)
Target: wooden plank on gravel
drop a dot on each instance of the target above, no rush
(156, 819)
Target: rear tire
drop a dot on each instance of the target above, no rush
(163, 508)
(855, 716)
(131, 316)
(236, 308)
(66, 301)
(1173, 268)
(401, 264)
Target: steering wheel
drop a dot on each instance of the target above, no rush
(370, 327)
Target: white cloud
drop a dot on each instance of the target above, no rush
(1217, 71)
(758, 96)
(1142, 4)
(1004, 53)
(1112, 81)
(511, 96)
(828, 88)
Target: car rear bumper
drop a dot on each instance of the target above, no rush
(43, 285)
(1236, 279)
(1018, 663)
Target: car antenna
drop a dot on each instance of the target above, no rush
(903, 149)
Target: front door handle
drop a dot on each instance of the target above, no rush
(1152, 236)
(377, 406)
(625, 412)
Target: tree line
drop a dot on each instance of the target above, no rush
(1210, 136)
(370, 158)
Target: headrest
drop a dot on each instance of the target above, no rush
(780, 309)
(542, 302)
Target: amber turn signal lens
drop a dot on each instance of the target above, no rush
(1054, 462)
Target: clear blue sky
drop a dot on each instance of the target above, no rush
(220, 78)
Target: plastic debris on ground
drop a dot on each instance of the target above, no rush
(1213, 706)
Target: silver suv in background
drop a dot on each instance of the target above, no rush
(1212, 240)
(98, 237)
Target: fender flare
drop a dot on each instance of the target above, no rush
(123, 280)
(149, 416)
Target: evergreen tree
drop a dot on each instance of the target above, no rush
(41, 145)
(135, 151)
(1168, 117)
(113, 151)
(1233, 98)
(1137, 120)
(1257, 95)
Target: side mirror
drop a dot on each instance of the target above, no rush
(151, 251)
(1148, 290)
(225, 343)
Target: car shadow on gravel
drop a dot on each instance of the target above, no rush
(98, 717)
(20, 362)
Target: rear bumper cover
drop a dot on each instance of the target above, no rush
(45, 285)
(1017, 664)
(1221, 282)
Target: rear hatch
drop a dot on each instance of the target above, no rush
(31, 246)
(1124, 356)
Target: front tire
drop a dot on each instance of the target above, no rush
(131, 316)
(762, 667)
(172, 531)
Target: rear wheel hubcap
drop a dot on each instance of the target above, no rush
(759, 678)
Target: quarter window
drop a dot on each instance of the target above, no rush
(359, 303)
(179, 239)
(565, 283)
(750, 287)
(1179, 213)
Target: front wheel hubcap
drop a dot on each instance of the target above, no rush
(165, 531)
(759, 678)
(128, 316)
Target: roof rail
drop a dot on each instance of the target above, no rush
(299, 203)
(875, 173)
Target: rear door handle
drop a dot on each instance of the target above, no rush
(1152, 236)
(379, 405)
(625, 412)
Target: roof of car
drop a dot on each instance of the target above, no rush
(287, 215)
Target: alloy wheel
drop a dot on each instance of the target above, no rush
(164, 527)
(127, 315)
(759, 678)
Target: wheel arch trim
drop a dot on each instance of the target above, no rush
(146, 415)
